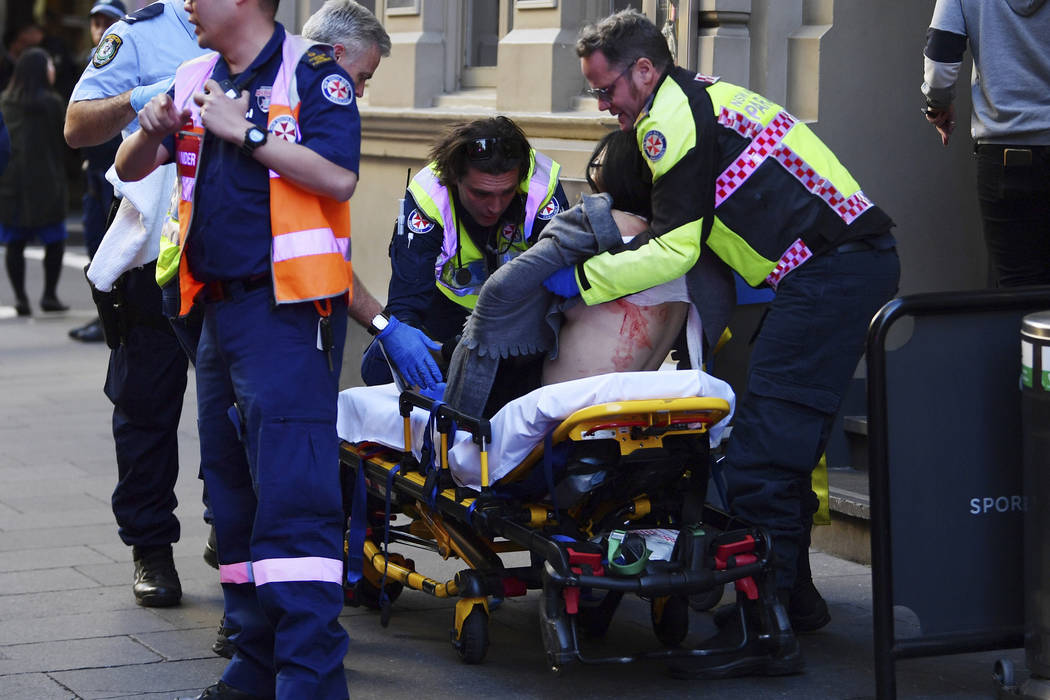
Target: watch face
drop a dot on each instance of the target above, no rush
(256, 135)
(379, 323)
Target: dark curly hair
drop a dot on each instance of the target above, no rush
(506, 150)
(624, 37)
(617, 167)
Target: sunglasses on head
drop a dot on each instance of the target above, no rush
(484, 149)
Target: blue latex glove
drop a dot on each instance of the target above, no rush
(409, 349)
(436, 392)
(563, 283)
(144, 93)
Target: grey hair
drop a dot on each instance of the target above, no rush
(350, 24)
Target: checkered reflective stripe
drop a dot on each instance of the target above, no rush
(760, 148)
(794, 256)
(847, 209)
(739, 122)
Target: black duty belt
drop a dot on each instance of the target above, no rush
(229, 289)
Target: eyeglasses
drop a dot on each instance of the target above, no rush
(605, 93)
(484, 149)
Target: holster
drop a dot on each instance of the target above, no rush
(111, 312)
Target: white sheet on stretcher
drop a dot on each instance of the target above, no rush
(371, 414)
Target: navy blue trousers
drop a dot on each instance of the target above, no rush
(803, 358)
(146, 382)
(271, 466)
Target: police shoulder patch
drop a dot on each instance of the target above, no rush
(318, 57)
(337, 89)
(106, 50)
(548, 212)
(150, 11)
(654, 145)
(417, 223)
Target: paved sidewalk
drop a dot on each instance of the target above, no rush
(69, 626)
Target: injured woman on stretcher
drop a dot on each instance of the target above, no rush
(518, 323)
(517, 319)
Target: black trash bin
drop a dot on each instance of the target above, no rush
(1035, 427)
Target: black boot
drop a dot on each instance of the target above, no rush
(223, 645)
(807, 610)
(758, 642)
(156, 581)
(53, 253)
(221, 691)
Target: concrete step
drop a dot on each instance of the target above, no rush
(849, 535)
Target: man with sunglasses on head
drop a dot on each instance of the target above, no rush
(482, 200)
(737, 177)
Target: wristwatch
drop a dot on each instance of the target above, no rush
(378, 324)
(253, 138)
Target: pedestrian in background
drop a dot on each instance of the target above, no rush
(33, 187)
(5, 145)
(98, 192)
(1010, 125)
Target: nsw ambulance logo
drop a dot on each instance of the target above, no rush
(417, 223)
(548, 212)
(284, 127)
(655, 145)
(337, 89)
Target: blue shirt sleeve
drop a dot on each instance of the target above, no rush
(329, 123)
(412, 266)
(113, 68)
(563, 204)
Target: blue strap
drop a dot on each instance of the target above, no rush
(355, 555)
(383, 598)
(429, 453)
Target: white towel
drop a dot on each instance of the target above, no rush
(133, 239)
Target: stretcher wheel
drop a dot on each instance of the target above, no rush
(366, 590)
(594, 620)
(670, 615)
(702, 602)
(473, 640)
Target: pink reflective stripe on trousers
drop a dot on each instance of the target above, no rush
(316, 241)
(298, 569)
(241, 572)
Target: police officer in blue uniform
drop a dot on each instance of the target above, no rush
(269, 347)
(147, 371)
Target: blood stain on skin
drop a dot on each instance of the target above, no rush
(634, 335)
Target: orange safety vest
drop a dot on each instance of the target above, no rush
(310, 252)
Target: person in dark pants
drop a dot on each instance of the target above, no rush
(737, 176)
(1010, 124)
(264, 243)
(33, 187)
(98, 192)
(147, 371)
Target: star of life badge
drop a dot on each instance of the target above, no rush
(337, 89)
(417, 223)
(654, 144)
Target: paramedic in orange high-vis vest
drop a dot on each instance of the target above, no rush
(266, 136)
